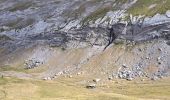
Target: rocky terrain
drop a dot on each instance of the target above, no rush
(88, 43)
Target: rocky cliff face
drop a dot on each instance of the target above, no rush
(76, 24)
(26, 19)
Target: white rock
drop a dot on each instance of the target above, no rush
(91, 86)
(70, 76)
(59, 73)
(48, 78)
(168, 13)
(96, 80)
(124, 65)
(159, 58)
(147, 58)
(79, 73)
(152, 6)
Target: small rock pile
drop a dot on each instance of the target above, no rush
(32, 63)
(47, 78)
(125, 73)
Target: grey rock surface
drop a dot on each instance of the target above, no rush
(85, 23)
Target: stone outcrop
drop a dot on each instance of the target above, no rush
(84, 23)
(32, 64)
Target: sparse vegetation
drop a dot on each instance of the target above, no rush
(142, 7)
(97, 14)
(12, 88)
(126, 71)
(9, 68)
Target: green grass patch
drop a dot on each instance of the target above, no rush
(99, 13)
(66, 88)
(142, 7)
(9, 68)
(20, 68)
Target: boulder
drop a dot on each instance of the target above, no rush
(79, 73)
(168, 13)
(154, 78)
(160, 49)
(110, 78)
(124, 66)
(96, 80)
(129, 79)
(91, 86)
(147, 58)
(49, 78)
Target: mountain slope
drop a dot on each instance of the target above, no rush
(120, 48)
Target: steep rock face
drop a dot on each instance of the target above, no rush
(140, 32)
(73, 39)
(28, 17)
(79, 24)
(20, 18)
(82, 23)
(56, 22)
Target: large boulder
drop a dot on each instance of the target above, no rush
(91, 86)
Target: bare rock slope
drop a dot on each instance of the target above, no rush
(107, 38)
